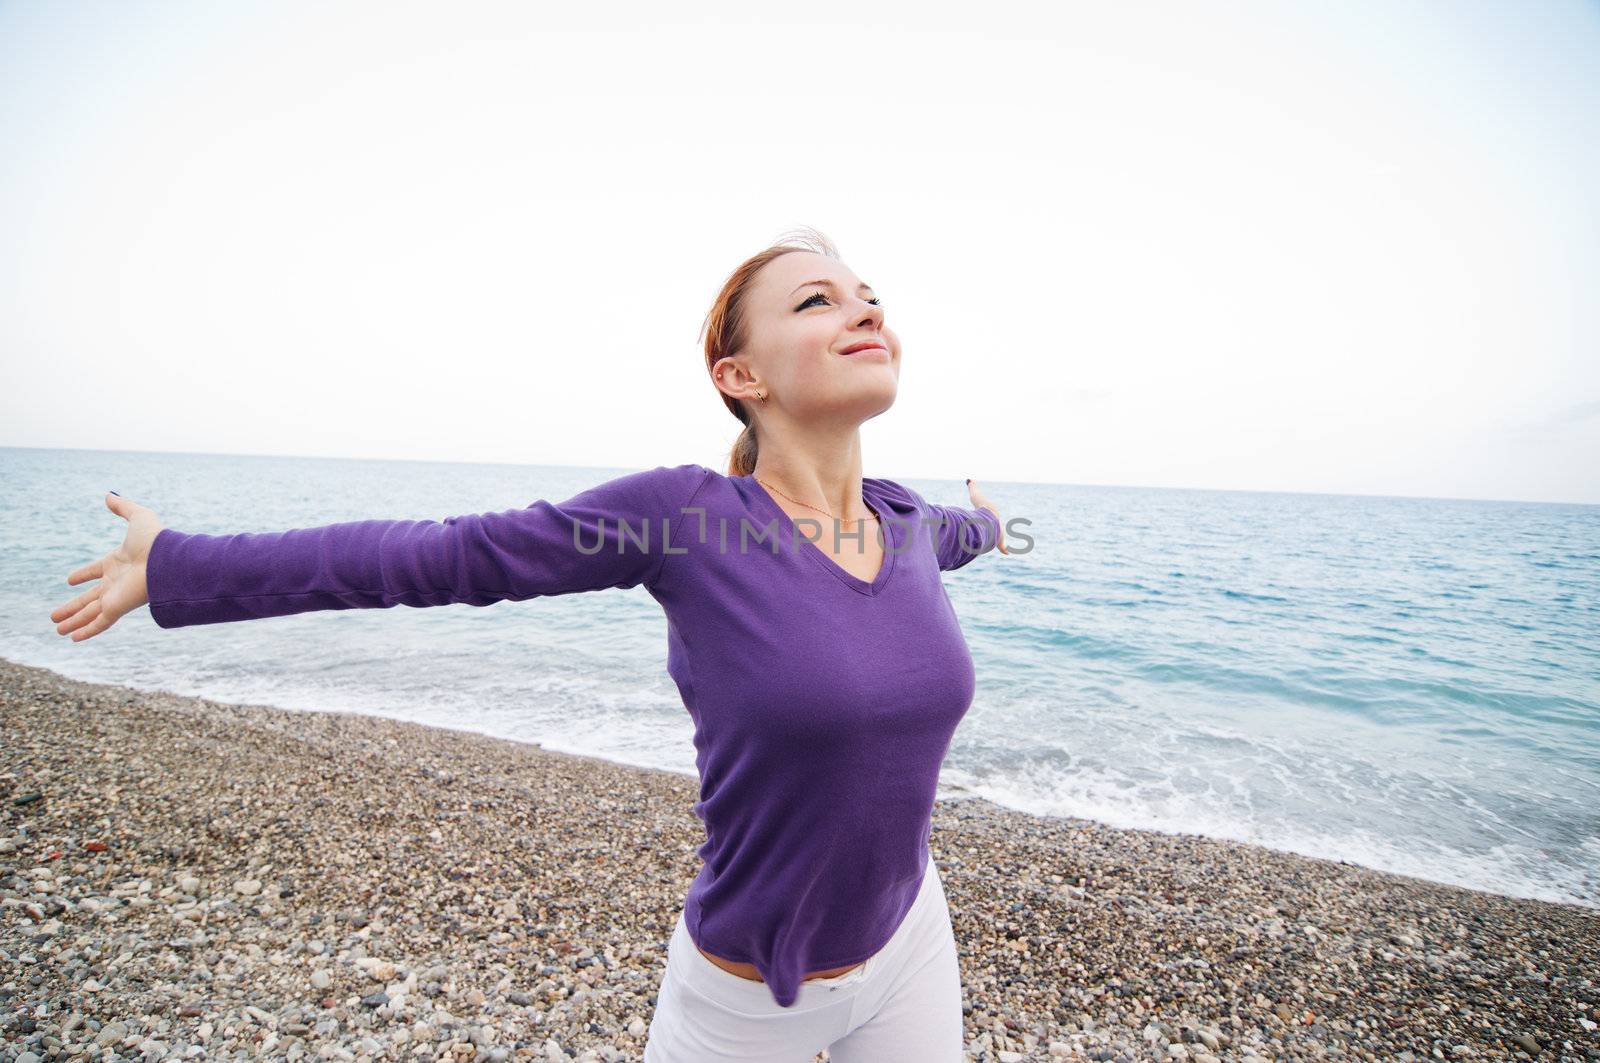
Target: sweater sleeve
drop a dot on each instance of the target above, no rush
(614, 534)
(957, 534)
(961, 534)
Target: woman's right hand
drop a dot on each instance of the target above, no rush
(121, 589)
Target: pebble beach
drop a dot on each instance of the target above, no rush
(183, 878)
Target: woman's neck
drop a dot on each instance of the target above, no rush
(834, 490)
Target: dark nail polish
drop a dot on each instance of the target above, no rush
(119, 494)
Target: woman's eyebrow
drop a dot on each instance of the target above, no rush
(830, 284)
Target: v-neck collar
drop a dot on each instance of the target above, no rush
(815, 552)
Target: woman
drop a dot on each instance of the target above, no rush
(824, 669)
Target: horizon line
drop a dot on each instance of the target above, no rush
(1028, 483)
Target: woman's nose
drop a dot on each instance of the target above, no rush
(872, 316)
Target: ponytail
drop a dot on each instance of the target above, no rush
(742, 458)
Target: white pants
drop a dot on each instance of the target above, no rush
(902, 1006)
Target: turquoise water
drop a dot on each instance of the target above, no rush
(1408, 684)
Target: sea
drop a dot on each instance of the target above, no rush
(1407, 684)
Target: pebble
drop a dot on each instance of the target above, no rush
(384, 891)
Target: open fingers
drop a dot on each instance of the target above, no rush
(93, 570)
(97, 625)
(83, 616)
(61, 612)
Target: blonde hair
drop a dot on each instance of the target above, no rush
(725, 335)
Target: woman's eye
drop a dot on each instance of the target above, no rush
(875, 301)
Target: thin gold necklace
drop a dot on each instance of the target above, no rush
(808, 505)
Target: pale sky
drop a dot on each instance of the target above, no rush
(1335, 247)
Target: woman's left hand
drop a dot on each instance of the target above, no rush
(979, 501)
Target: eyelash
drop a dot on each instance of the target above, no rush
(875, 301)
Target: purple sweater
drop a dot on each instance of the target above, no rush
(823, 704)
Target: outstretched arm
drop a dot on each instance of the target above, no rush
(962, 534)
(611, 535)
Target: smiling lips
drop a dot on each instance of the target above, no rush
(865, 345)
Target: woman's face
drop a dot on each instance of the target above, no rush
(816, 342)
